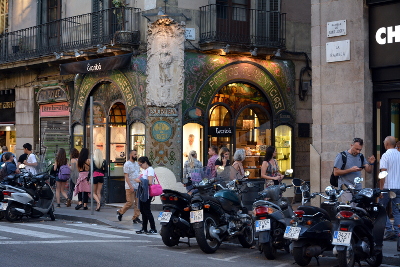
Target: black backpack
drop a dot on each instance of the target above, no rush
(334, 180)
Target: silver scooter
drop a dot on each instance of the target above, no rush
(34, 199)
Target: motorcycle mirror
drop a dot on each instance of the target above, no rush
(392, 194)
(288, 171)
(246, 174)
(382, 174)
(330, 190)
(358, 180)
(304, 188)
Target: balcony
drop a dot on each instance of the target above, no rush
(242, 27)
(118, 27)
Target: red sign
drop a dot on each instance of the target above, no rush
(54, 110)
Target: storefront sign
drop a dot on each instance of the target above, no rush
(338, 51)
(220, 131)
(384, 32)
(96, 65)
(54, 94)
(161, 131)
(162, 112)
(54, 110)
(284, 117)
(336, 28)
(6, 105)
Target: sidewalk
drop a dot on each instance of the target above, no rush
(108, 216)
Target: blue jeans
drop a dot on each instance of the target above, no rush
(395, 210)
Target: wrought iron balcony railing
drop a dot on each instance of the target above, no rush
(115, 26)
(235, 25)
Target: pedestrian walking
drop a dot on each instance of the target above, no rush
(99, 168)
(270, 168)
(30, 162)
(145, 180)
(390, 162)
(213, 153)
(192, 171)
(131, 172)
(82, 187)
(351, 168)
(61, 160)
(74, 154)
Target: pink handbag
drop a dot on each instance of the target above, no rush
(155, 189)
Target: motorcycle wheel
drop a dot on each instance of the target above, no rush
(347, 256)
(375, 260)
(51, 214)
(300, 256)
(207, 243)
(269, 250)
(247, 238)
(168, 236)
(9, 214)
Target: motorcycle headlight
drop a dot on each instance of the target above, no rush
(368, 192)
(330, 191)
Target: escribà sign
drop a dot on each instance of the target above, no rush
(220, 131)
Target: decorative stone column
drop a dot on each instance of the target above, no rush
(164, 94)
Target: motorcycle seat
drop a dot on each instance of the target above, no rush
(311, 210)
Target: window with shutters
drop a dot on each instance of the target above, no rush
(268, 21)
(3, 16)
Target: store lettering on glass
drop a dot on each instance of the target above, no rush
(223, 131)
(95, 67)
(4, 105)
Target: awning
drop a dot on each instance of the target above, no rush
(96, 65)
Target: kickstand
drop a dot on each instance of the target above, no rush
(188, 242)
(317, 258)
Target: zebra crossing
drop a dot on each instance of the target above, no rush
(27, 233)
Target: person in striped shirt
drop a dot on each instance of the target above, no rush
(390, 162)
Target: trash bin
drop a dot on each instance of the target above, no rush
(116, 190)
(251, 193)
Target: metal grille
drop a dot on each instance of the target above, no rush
(232, 24)
(116, 26)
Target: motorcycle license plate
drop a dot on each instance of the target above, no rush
(196, 216)
(341, 238)
(164, 216)
(3, 206)
(292, 232)
(263, 225)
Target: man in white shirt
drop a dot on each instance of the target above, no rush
(390, 162)
(131, 172)
(30, 162)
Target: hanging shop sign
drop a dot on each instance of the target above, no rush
(51, 94)
(161, 131)
(96, 65)
(384, 34)
(54, 110)
(220, 131)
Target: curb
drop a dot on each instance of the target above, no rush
(91, 220)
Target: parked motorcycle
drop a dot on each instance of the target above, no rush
(34, 199)
(359, 234)
(272, 214)
(222, 216)
(311, 227)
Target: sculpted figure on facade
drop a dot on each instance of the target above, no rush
(165, 63)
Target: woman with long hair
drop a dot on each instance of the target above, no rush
(191, 171)
(74, 154)
(82, 187)
(61, 160)
(270, 168)
(223, 158)
(145, 180)
(99, 168)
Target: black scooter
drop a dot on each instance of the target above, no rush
(311, 227)
(359, 234)
(272, 214)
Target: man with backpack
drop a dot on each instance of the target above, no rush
(348, 165)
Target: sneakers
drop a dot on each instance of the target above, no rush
(137, 220)
(389, 236)
(141, 232)
(152, 232)
(119, 216)
(78, 206)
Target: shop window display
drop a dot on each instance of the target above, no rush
(117, 122)
(192, 140)
(78, 136)
(283, 142)
(138, 138)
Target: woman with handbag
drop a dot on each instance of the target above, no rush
(99, 168)
(145, 180)
(82, 187)
(61, 160)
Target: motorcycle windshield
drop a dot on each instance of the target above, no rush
(201, 176)
(226, 175)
